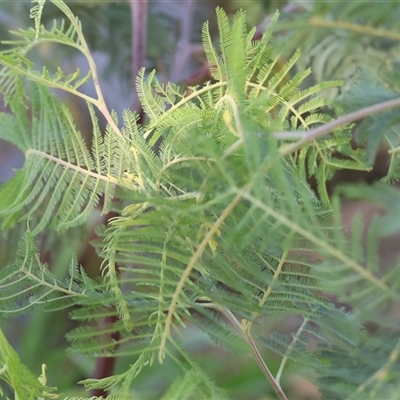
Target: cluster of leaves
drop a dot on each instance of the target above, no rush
(215, 228)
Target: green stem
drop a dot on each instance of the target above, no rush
(246, 336)
(100, 103)
(348, 26)
(320, 243)
(186, 273)
(290, 348)
(308, 136)
(274, 383)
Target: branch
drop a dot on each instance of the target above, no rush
(267, 373)
(105, 365)
(186, 273)
(246, 336)
(100, 102)
(308, 136)
(357, 28)
(183, 50)
(139, 38)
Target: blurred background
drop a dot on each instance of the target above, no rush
(173, 47)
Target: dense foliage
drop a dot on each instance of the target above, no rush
(220, 215)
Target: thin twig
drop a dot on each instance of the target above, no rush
(275, 385)
(307, 136)
(246, 336)
(186, 273)
(139, 40)
(358, 28)
(183, 49)
(84, 48)
(285, 358)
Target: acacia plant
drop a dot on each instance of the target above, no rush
(217, 226)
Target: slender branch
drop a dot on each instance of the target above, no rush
(247, 324)
(320, 243)
(275, 385)
(186, 273)
(70, 166)
(308, 136)
(246, 336)
(101, 104)
(183, 50)
(348, 26)
(290, 348)
(139, 40)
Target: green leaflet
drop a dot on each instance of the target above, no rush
(28, 282)
(60, 173)
(17, 375)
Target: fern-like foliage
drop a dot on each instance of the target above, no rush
(15, 63)
(216, 229)
(340, 377)
(28, 282)
(359, 45)
(59, 168)
(375, 131)
(338, 40)
(24, 383)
